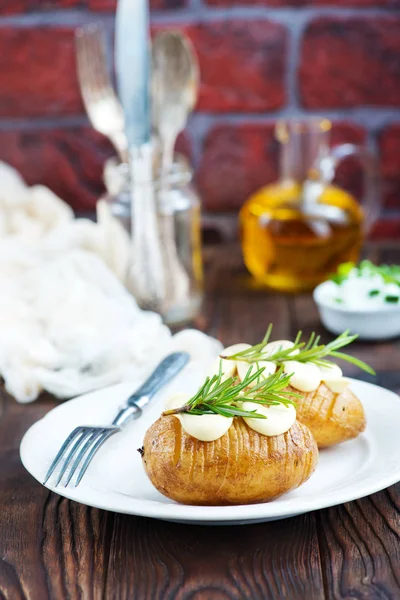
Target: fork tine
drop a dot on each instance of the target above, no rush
(62, 451)
(92, 452)
(85, 50)
(91, 53)
(95, 434)
(72, 452)
(94, 77)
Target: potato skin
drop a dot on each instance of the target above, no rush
(331, 418)
(241, 467)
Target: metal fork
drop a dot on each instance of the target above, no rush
(86, 440)
(101, 103)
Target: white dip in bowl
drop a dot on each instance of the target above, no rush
(364, 302)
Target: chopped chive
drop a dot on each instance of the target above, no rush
(391, 299)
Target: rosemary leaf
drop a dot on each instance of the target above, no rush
(226, 397)
(310, 351)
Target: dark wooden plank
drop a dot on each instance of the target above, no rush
(173, 561)
(246, 316)
(14, 418)
(360, 547)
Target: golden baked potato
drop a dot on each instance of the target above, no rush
(332, 418)
(241, 467)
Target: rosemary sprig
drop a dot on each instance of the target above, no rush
(225, 397)
(311, 351)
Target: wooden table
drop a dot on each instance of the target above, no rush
(53, 548)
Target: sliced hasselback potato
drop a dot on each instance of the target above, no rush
(331, 417)
(241, 467)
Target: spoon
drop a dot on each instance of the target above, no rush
(175, 82)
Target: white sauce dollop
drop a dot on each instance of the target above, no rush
(333, 378)
(279, 419)
(176, 400)
(206, 428)
(306, 376)
(337, 385)
(277, 346)
(243, 367)
(331, 373)
(229, 367)
(234, 349)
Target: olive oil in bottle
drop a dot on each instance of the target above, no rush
(295, 232)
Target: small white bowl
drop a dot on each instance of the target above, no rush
(377, 323)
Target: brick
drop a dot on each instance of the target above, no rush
(309, 3)
(387, 228)
(349, 174)
(389, 144)
(183, 146)
(38, 72)
(110, 5)
(239, 159)
(69, 161)
(242, 64)
(20, 6)
(347, 62)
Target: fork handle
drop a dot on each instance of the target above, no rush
(128, 413)
(166, 370)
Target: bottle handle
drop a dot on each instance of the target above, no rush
(371, 202)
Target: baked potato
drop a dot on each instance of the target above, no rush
(331, 417)
(241, 467)
(324, 402)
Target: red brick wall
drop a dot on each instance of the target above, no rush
(260, 60)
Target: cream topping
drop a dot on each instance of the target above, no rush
(306, 377)
(280, 418)
(331, 373)
(338, 385)
(206, 428)
(229, 368)
(333, 378)
(176, 400)
(235, 349)
(278, 346)
(243, 367)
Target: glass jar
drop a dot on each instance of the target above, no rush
(118, 197)
(179, 229)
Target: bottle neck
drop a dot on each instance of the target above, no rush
(302, 149)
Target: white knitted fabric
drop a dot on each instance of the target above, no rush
(67, 323)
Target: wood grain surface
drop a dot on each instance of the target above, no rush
(52, 548)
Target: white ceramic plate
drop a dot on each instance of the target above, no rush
(116, 480)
